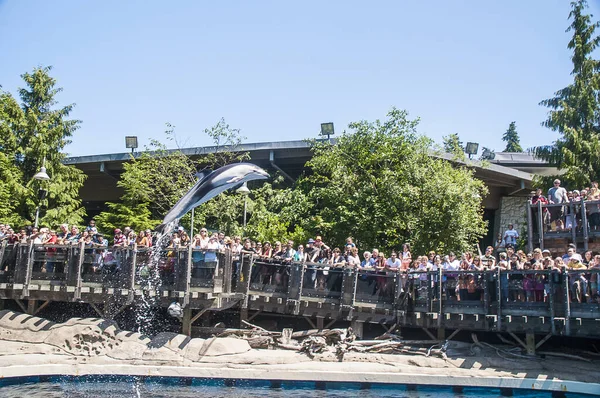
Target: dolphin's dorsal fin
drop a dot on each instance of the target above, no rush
(202, 174)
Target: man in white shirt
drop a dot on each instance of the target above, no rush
(557, 194)
(511, 235)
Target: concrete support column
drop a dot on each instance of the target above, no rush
(320, 322)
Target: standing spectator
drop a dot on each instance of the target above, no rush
(557, 195)
(393, 263)
(91, 228)
(510, 236)
(141, 240)
(119, 238)
(538, 197)
(149, 237)
(593, 208)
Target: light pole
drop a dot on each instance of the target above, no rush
(243, 190)
(40, 176)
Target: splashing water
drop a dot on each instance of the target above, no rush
(146, 307)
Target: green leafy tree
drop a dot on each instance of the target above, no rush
(381, 186)
(35, 134)
(511, 137)
(575, 109)
(453, 144)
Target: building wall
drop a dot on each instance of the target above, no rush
(512, 211)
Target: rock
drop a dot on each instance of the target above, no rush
(224, 346)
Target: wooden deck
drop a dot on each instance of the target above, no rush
(321, 295)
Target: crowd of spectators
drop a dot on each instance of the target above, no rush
(567, 217)
(322, 261)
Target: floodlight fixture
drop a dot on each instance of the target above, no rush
(327, 129)
(472, 148)
(131, 141)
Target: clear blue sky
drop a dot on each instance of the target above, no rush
(277, 69)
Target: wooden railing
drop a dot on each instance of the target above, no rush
(193, 277)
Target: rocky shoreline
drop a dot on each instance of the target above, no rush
(32, 346)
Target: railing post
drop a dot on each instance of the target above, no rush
(78, 281)
(227, 272)
(551, 301)
(2, 250)
(567, 304)
(573, 223)
(584, 225)
(540, 225)
(499, 297)
(486, 292)
(28, 270)
(188, 277)
(296, 282)
(133, 270)
(440, 298)
(348, 293)
(429, 292)
(529, 228)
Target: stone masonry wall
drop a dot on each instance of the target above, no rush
(512, 211)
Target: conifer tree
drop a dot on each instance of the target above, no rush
(35, 134)
(511, 137)
(575, 109)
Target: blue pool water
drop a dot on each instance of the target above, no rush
(125, 387)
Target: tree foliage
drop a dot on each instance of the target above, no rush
(381, 185)
(575, 109)
(511, 137)
(453, 144)
(154, 180)
(33, 134)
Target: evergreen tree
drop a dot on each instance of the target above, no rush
(511, 137)
(575, 110)
(453, 144)
(33, 135)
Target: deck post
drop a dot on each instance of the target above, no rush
(441, 333)
(529, 228)
(550, 274)
(186, 321)
(540, 221)
(499, 297)
(573, 221)
(357, 328)
(567, 305)
(79, 280)
(440, 299)
(2, 250)
(530, 342)
(31, 306)
(584, 226)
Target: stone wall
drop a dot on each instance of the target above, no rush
(512, 211)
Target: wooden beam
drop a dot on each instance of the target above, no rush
(542, 341)
(453, 334)
(41, 307)
(310, 322)
(330, 324)
(429, 334)
(254, 315)
(198, 315)
(320, 323)
(21, 305)
(514, 336)
(95, 307)
(31, 306)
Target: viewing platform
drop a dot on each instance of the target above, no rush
(36, 275)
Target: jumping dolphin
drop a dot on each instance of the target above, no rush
(212, 183)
